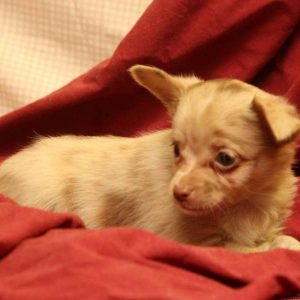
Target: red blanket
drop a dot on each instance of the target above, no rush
(44, 256)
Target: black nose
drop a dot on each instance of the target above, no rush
(180, 195)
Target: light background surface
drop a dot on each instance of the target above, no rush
(44, 44)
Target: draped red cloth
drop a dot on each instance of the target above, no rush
(51, 256)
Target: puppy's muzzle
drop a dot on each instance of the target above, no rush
(181, 195)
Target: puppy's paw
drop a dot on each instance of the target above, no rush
(286, 242)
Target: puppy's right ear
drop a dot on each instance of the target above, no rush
(281, 118)
(167, 88)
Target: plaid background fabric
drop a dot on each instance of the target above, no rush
(46, 43)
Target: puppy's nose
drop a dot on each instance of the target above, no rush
(181, 194)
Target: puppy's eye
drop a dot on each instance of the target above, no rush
(176, 149)
(225, 160)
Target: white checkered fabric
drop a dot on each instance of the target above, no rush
(46, 43)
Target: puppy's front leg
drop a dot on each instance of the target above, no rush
(247, 249)
(282, 241)
(286, 242)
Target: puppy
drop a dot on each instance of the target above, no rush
(220, 177)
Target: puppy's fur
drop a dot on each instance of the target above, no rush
(229, 182)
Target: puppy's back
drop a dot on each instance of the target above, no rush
(36, 176)
(80, 174)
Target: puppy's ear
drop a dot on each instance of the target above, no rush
(167, 88)
(280, 117)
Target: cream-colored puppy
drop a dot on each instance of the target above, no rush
(220, 177)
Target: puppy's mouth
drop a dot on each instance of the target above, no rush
(194, 210)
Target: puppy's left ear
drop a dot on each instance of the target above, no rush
(280, 117)
(166, 87)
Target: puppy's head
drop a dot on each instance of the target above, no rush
(230, 139)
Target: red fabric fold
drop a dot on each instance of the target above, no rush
(18, 225)
(51, 259)
(46, 256)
